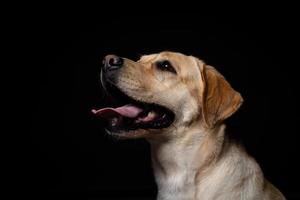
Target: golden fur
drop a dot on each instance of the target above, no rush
(193, 159)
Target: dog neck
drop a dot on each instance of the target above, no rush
(179, 163)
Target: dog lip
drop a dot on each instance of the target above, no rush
(126, 113)
(132, 117)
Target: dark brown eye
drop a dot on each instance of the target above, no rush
(165, 65)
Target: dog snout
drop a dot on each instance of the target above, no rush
(112, 62)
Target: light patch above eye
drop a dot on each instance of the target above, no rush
(165, 65)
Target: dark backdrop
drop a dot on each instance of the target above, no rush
(62, 146)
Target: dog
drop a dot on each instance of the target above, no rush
(179, 104)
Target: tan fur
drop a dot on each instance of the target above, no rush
(193, 159)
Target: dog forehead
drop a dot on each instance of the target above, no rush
(175, 58)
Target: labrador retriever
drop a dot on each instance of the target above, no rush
(178, 103)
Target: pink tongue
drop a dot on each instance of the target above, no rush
(128, 110)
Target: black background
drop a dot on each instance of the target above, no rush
(62, 147)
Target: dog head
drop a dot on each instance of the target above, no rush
(163, 92)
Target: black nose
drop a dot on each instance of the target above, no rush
(112, 62)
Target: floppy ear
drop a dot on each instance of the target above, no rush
(219, 99)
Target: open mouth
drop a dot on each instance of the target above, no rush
(128, 114)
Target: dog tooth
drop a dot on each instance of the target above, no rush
(151, 114)
(114, 121)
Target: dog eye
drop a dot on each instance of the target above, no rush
(165, 66)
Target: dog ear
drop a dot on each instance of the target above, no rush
(219, 99)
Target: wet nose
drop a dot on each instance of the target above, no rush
(112, 62)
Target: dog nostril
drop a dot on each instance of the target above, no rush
(112, 61)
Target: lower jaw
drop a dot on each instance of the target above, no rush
(139, 133)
